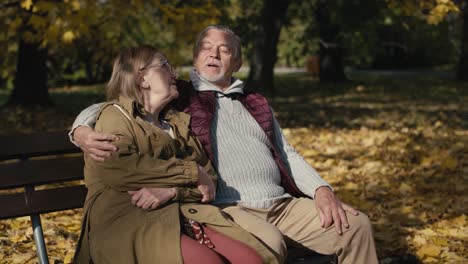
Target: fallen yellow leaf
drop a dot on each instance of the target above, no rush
(431, 260)
(449, 163)
(428, 232)
(427, 161)
(419, 240)
(429, 250)
(460, 221)
(351, 186)
(68, 257)
(440, 241)
(404, 188)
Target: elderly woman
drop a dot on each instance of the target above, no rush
(144, 202)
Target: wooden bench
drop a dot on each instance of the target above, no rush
(31, 160)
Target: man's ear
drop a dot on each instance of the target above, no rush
(238, 65)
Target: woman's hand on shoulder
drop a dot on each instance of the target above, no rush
(151, 198)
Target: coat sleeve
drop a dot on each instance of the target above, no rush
(193, 194)
(128, 169)
(202, 158)
(187, 195)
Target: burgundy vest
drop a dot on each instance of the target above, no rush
(202, 107)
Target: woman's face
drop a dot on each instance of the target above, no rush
(160, 79)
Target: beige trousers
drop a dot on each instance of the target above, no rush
(297, 219)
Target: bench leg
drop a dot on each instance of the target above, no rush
(39, 239)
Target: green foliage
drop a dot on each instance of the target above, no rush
(399, 42)
(243, 16)
(294, 44)
(427, 30)
(372, 32)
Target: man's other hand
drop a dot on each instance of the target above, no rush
(332, 210)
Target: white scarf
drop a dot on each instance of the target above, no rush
(201, 84)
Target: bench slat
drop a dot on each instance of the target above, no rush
(36, 144)
(42, 201)
(38, 172)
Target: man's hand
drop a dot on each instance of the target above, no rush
(97, 145)
(151, 198)
(332, 210)
(205, 185)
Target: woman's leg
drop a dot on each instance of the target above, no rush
(193, 252)
(234, 251)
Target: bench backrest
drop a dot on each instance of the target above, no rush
(31, 160)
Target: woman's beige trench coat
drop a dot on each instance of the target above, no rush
(116, 231)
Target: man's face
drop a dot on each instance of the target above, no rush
(215, 59)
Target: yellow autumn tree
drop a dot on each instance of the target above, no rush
(91, 31)
(433, 11)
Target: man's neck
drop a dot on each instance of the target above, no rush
(223, 86)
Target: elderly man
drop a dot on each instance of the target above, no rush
(265, 185)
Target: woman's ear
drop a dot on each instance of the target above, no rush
(142, 82)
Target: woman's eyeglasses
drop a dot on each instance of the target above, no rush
(164, 63)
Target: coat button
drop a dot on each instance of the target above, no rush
(192, 211)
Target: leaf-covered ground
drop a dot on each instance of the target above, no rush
(395, 148)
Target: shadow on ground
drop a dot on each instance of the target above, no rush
(395, 148)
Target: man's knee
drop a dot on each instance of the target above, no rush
(275, 240)
(360, 223)
(267, 233)
(272, 238)
(360, 246)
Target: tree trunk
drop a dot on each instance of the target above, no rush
(331, 67)
(30, 84)
(462, 72)
(264, 55)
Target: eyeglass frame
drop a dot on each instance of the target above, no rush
(159, 65)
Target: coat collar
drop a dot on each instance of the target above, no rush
(131, 106)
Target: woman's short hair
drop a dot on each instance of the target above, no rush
(126, 77)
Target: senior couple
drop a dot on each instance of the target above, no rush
(200, 172)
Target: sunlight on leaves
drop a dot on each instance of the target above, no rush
(68, 36)
(26, 4)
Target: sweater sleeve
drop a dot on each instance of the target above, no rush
(307, 179)
(87, 117)
(128, 168)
